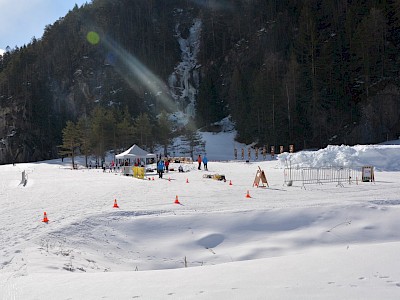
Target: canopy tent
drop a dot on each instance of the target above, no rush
(135, 152)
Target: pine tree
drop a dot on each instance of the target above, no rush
(164, 132)
(84, 133)
(143, 130)
(369, 49)
(192, 140)
(71, 141)
(103, 131)
(124, 129)
(209, 105)
(307, 48)
(125, 134)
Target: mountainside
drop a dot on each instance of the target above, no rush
(308, 73)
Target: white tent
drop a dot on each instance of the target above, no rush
(135, 152)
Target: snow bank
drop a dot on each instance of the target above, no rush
(382, 157)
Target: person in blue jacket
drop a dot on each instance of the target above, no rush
(205, 161)
(160, 168)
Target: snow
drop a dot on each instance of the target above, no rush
(382, 157)
(323, 242)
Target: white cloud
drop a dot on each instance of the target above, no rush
(1, 51)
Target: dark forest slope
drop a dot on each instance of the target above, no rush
(306, 72)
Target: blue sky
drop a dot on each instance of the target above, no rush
(20, 20)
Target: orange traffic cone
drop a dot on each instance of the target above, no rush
(45, 218)
(230, 182)
(248, 194)
(187, 180)
(176, 200)
(115, 204)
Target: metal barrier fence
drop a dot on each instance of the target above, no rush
(307, 175)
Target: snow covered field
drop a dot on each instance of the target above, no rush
(322, 242)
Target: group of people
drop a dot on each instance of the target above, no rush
(204, 160)
(111, 167)
(163, 165)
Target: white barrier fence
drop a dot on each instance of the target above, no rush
(308, 175)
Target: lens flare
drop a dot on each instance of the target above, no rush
(137, 75)
(93, 37)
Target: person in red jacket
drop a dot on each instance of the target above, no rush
(166, 164)
(199, 161)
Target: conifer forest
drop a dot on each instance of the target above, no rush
(112, 73)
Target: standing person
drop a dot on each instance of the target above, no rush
(166, 165)
(160, 168)
(199, 161)
(205, 161)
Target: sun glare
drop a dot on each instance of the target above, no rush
(139, 75)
